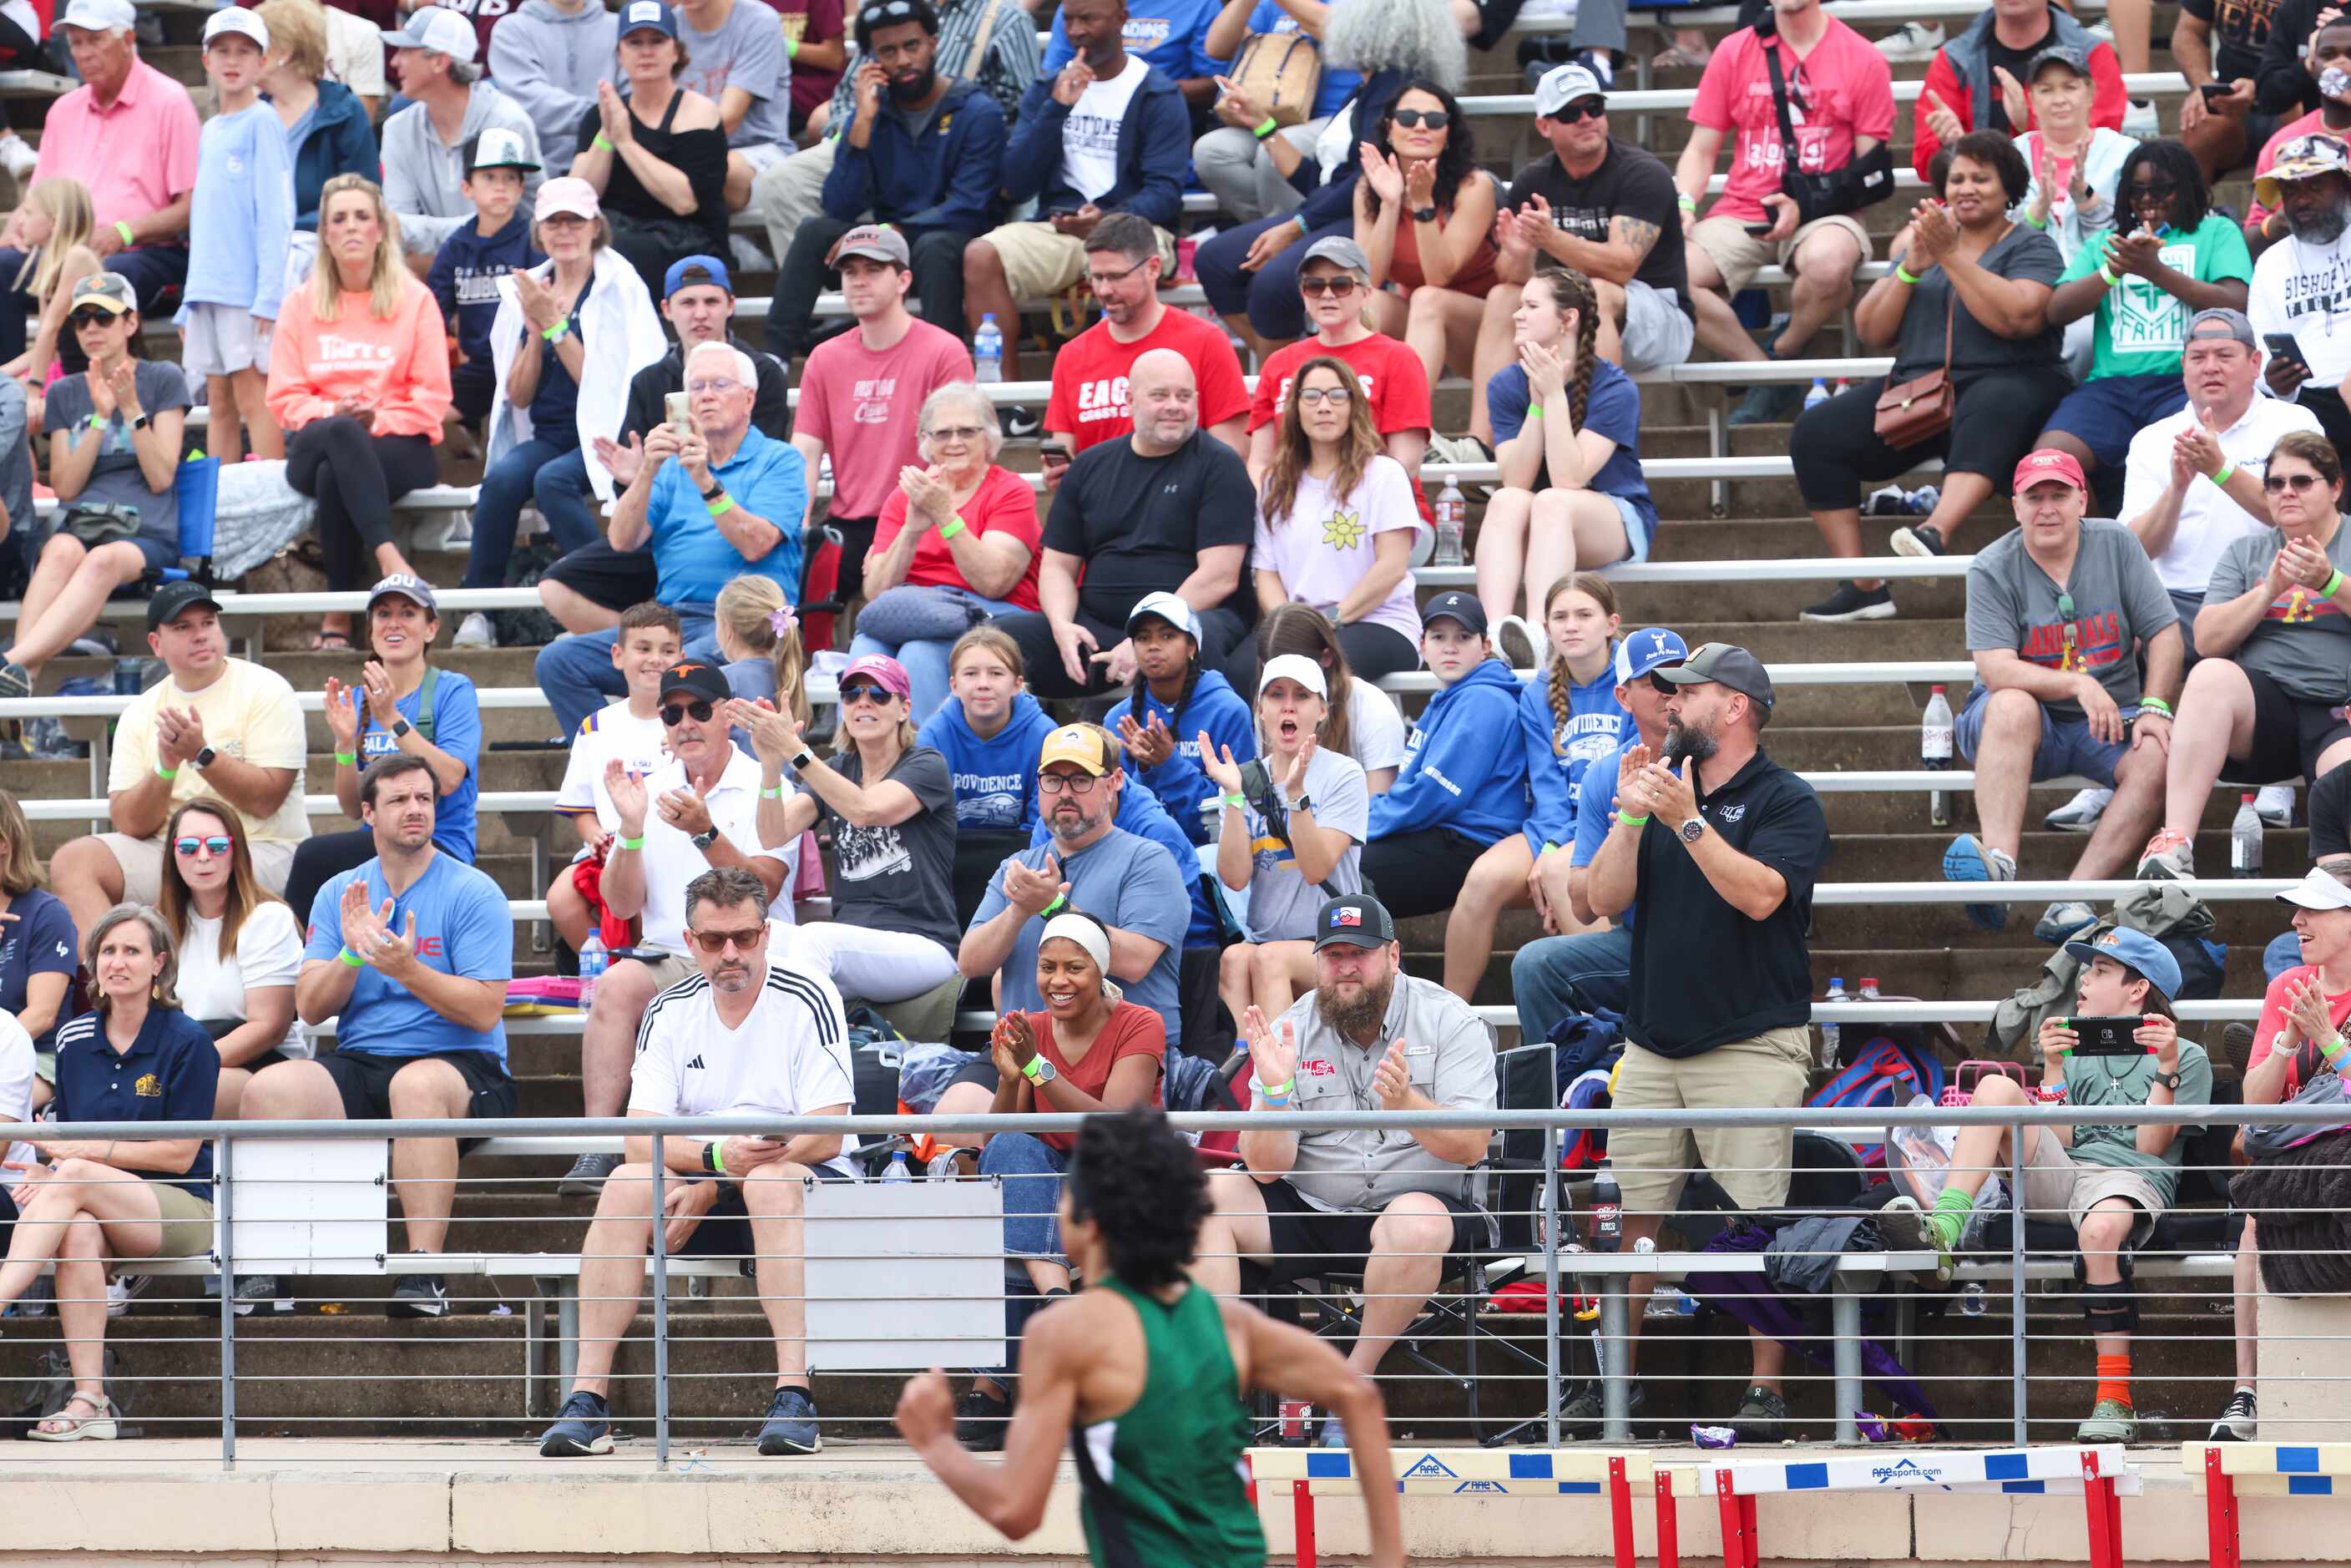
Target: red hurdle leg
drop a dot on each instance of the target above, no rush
(1669, 1545)
(1620, 1509)
(1250, 1471)
(1301, 1501)
(1739, 1544)
(2105, 1515)
(2221, 1510)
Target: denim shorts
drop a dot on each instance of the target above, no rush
(2067, 744)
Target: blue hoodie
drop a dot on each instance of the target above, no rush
(941, 173)
(1458, 772)
(1154, 153)
(1596, 724)
(336, 139)
(1139, 813)
(1178, 782)
(466, 274)
(996, 779)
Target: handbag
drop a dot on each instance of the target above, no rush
(1278, 72)
(1865, 180)
(1920, 409)
(918, 613)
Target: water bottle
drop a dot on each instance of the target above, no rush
(1935, 732)
(1972, 1301)
(1819, 394)
(898, 1170)
(593, 961)
(2245, 841)
(1832, 1034)
(1869, 989)
(1607, 1211)
(987, 349)
(1452, 511)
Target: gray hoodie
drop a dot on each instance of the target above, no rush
(424, 181)
(550, 61)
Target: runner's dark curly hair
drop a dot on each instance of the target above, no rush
(1138, 1179)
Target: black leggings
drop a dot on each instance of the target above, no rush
(1999, 418)
(355, 477)
(319, 859)
(1422, 873)
(1373, 652)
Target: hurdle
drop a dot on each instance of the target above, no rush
(2224, 1472)
(1495, 1472)
(2102, 1471)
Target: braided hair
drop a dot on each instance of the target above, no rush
(1571, 290)
(2167, 159)
(1563, 705)
(1139, 689)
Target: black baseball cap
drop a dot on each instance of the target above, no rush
(2065, 55)
(702, 680)
(1727, 665)
(1353, 920)
(174, 597)
(1456, 605)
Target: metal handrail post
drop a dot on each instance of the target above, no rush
(2016, 1391)
(224, 1192)
(1550, 1287)
(661, 1314)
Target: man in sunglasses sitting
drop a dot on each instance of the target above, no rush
(697, 811)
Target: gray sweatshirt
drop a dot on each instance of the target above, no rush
(424, 181)
(549, 61)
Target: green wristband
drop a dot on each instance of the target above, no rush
(1688, 203)
(353, 959)
(602, 144)
(166, 774)
(1640, 821)
(717, 1151)
(1266, 129)
(1034, 1071)
(775, 794)
(2333, 1049)
(2221, 475)
(2155, 705)
(347, 759)
(1534, 411)
(556, 333)
(791, 48)
(124, 230)
(1236, 800)
(2108, 274)
(1271, 1092)
(1061, 902)
(952, 526)
(98, 422)
(721, 506)
(628, 843)
(2335, 583)
(1902, 274)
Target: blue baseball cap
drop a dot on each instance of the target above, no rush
(2136, 949)
(638, 14)
(688, 271)
(1651, 648)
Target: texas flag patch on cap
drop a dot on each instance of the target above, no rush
(1346, 917)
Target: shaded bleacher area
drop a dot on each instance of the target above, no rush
(1734, 559)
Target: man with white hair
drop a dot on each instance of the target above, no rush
(129, 133)
(713, 499)
(423, 144)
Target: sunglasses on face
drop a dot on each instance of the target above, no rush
(964, 433)
(1413, 119)
(217, 845)
(699, 711)
(81, 319)
(716, 941)
(1585, 109)
(1336, 287)
(862, 693)
(2276, 484)
(1337, 397)
(2150, 190)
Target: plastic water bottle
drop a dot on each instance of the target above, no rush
(2245, 841)
(1832, 1033)
(1869, 992)
(1607, 1211)
(1452, 511)
(1819, 394)
(987, 349)
(593, 961)
(898, 1169)
(1934, 737)
(1972, 1301)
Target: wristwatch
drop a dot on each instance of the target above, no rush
(1424, 214)
(705, 838)
(803, 759)
(1305, 803)
(203, 759)
(2169, 1080)
(399, 727)
(1693, 828)
(717, 488)
(1039, 1072)
(142, 423)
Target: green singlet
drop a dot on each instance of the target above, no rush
(1162, 1483)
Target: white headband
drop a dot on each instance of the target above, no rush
(1087, 933)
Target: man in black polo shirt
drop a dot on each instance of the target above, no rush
(1720, 845)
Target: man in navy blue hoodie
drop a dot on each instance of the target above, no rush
(923, 152)
(1106, 133)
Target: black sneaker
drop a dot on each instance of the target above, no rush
(1849, 602)
(587, 1175)
(979, 1422)
(2238, 1422)
(1581, 1414)
(262, 1290)
(791, 1426)
(584, 1427)
(1775, 403)
(15, 681)
(1920, 539)
(2236, 1048)
(1762, 1416)
(418, 1296)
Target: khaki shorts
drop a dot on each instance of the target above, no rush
(2054, 1182)
(1041, 261)
(670, 969)
(142, 861)
(1750, 1164)
(1739, 256)
(187, 1221)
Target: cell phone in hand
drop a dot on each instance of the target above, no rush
(678, 408)
(2282, 346)
(2214, 91)
(1759, 230)
(1053, 455)
(2105, 1036)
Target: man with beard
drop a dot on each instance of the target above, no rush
(923, 152)
(746, 1034)
(1367, 1038)
(1128, 882)
(1720, 845)
(2302, 282)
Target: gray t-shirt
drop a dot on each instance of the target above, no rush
(2127, 1081)
(1122, 880)
(1281, 902)
(747, 50)
(2022, 252)
(114, 478)
(2111, 602)
(2302, 641)
(901, 876)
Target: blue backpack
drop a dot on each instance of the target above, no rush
(1883, 1074)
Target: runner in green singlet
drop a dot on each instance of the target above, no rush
(1142, 1374)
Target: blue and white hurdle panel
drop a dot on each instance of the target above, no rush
(2100, 1471)
(2224, 1472)
(1465, 1472)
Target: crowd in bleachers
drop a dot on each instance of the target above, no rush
(1205, 844)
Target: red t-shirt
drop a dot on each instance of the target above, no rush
(866, 408)
(1393, 378)
(2272, 1021)
(1844, 82)
(1131, 1032)
(1002, 504)
(1089, 377)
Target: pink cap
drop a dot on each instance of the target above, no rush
(2048, 463)
(886, 673)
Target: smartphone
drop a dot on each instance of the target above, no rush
(2213, 91)
(678, 408)
(2282, 345)
(1759, 230)
(2106, 1037)
(1053, 455)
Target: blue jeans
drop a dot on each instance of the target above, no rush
(925, 661)
(1031, 1169)
(2283, 953)
(529, 470)
(1561, 975)
(577, 674)
(1269, 295)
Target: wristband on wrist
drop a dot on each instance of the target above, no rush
(1534, 411)
(556, 333)
(353, 959)
(952, 526)
(2108, 273)
(166, 774)
(715, 1153)
(347, 759)
(1281, 1090)
(1033, 1070)
(2036, 222)
(1061, 902)
(775, 794)
(1688, 203)
(791, 48)
(2334, 583)
(721, 506)
(2221, 475)
(602, 144)
(1236, 800)
(2154, 705)
(2333, 1048)
(98, 422)
(1902, 274)
(1640, 821)
(124, 230)
(1264, 129)
(627, 843)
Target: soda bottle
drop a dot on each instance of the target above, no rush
(1832, 1033)
(987, 349)
(593, 961)
(1818, 395)
(1934, 733)
(1452, 511)
(2245, 841)
(1869, 989)
(1607, 1211)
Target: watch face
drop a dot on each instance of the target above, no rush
(1693, 829)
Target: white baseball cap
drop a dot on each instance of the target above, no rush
(1170, 608)
(439, 29)
(99, 16)
(237, 19)
(2318, 889)
(1294, 667)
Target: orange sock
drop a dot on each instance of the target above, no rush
(2113, 1377)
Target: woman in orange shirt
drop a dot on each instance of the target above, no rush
(358, 379)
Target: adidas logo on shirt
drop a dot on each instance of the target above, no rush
(695, 1066)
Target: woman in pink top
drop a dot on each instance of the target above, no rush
(359, 377)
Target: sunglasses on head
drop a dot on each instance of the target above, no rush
(1413, 119)
(2277, 483)
(699, 711)
(217, 844)
(861, 692)
(715, 942)
(1582, 108)
(1337, 287)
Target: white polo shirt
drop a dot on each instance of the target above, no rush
(788, 1057)
(672, 861)
(2209, 522)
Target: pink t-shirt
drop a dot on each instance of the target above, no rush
(1323, 548)
(866, 408)
(137, 157)
(1841, 90)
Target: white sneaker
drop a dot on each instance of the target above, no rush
(747, 254)
(1515, 639)
(2139, 121)
(2102, 30)
(474, 632)
(1911, 43)
(17, 155)
(2080, 813)
(2274, 805)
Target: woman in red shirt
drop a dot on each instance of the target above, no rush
(1089, 1050)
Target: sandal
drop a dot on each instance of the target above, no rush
(328, 641)
(100, 1426)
